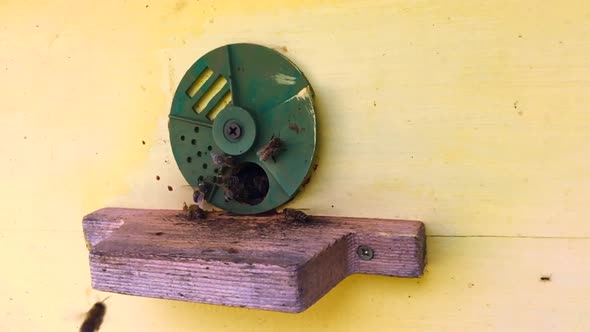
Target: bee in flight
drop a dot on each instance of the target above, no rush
(94, 317)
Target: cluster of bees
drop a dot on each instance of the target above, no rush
(241, 189)
(248, 188)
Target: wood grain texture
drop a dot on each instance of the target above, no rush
(262, 262)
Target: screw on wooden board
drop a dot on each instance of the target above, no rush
(232, 130)
(365, 253)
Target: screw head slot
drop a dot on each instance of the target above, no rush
(232, 130)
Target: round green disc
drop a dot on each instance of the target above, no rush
(233, 101)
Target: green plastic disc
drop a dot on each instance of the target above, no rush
(233, 101)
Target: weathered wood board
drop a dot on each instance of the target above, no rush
(263, 262)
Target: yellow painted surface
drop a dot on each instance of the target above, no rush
(474, 117)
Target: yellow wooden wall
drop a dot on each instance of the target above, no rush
(471, 116)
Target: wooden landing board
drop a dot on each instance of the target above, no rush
(262, 262)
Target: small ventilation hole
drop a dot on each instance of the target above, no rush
(189, 159)
(193, 141)
(199, 153)
(204, 166)
(182, 138)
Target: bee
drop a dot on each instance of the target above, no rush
(223, 160)
(228, 195)
(198, 197)
(295, 215)
(194, 212)
(232, 188)
(94, 317)
(231, 185)
(204, 187)
(229, 181)
(271, 149)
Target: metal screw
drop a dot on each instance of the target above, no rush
(232, 130)
(365, 253)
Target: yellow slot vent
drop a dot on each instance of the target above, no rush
(219, 84)
(198, 83)
(226, 99)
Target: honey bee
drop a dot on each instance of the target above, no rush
(229, 181)
(194, 212)
(230, 189)
(228, 195)
(199, 198)
(231, 186)
(271, 149)
(295, 215)
(94, 317)
(223, 160)
(203, 188)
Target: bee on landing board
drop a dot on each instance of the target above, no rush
(94, 317)
(295, 215)
(271, 149)
(194, 212)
